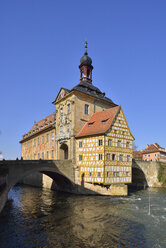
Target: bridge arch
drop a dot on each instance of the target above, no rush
(145, 173)
(138, 178)
(59, 181)
(61, 172)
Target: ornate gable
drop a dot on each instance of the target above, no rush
(62, 93)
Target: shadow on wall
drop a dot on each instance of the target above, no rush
(58, 182)
(138, 179)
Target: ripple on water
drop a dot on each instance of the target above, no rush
(43, 218)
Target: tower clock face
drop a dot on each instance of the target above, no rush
(62, 93)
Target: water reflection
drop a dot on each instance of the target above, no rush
(44, 218)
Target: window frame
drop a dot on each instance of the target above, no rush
(86, 109)
(47, 154)
(119, 143)
(68, 108)
(80, 157)
(109, 142)
(100, 156)
(108, 158)
(121, 157)
(100, 142)
(113, 157)
(68, 127)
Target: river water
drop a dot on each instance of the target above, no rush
(37, 217)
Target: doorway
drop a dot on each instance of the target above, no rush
(63, 152)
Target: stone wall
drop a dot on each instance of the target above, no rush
(3, 198)
(113, 190)
(150, 170)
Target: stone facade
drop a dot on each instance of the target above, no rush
(71, 117)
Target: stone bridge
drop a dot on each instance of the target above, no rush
(57, 169)
(145, 173)
(65, 177)
(63, 174)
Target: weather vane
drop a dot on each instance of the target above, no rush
(86, 46)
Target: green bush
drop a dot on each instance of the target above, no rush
(162, 174)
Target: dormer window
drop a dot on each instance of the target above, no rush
(90, 124)
(44, 123)
(104, 121)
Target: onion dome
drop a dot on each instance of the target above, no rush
(86, 59)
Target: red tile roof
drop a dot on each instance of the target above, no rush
(137, 155)
(99, 123)
(48, 121)
(153, 148)
(38, 126)
(149, 149)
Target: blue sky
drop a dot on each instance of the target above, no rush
(41, 43)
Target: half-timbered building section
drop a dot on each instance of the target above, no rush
(118, 151)
(104, 148)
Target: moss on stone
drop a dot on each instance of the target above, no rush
(162, 173)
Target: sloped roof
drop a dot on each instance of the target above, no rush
(137, 154)
(48, 119)
(153, 148)
(38, 126)
(99, 123)
(89, 89)
(66, 91)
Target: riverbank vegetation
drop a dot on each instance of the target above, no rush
(162, 173)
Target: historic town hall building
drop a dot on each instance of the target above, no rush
(88, 128)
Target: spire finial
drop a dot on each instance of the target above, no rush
(86, 46)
